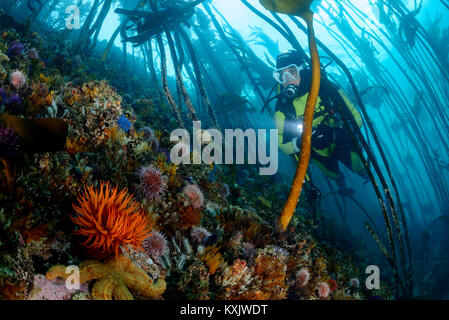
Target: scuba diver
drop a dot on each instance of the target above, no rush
(330, 142)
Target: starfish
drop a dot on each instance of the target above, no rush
(114, 277)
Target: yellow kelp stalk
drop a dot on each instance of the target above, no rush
(300, 8)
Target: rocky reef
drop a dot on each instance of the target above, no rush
(113, 205)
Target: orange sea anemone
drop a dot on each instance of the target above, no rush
(109, 219)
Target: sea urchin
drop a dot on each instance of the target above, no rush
(152, 182)
(155, 245)
(195, 195)
(18, 79)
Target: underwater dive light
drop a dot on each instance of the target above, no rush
(300, 127)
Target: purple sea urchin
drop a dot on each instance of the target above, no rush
(148, 135)
(146, 132)
(323, 290)
(18, 79)
(302, 277)
(199, 234)
(195, 195)
(15, 49)
(152, 182)
(155, 245)
(32, 54)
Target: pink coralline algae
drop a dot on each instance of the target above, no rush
(45, 289)
(195, 195)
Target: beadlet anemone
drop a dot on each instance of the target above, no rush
(110, 219)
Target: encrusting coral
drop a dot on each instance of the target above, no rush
(45, 289)
(115, 279)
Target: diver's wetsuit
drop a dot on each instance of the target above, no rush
(337, 144)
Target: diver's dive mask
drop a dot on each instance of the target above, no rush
(287, 74)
